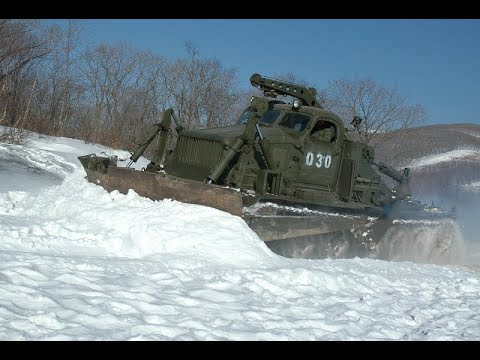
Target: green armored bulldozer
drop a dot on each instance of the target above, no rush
(298, 177)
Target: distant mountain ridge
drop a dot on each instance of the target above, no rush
(443, 158)
(414, 143)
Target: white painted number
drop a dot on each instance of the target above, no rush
(328, 161)
(322, 160)
(309, 158)
(319, 162)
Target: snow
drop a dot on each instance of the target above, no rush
(79, 263)
(445, 157)
(473, 187)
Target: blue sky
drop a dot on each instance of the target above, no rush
(435, 63)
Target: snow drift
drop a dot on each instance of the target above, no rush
(78, 263)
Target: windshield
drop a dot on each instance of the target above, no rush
(268, 118)
(295, 121)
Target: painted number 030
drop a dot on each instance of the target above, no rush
(319, 160)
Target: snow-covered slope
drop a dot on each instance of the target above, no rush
(473, 155)
(79, 263)
(443, 158)
(473, 186)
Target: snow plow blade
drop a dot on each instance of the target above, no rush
(157, 186)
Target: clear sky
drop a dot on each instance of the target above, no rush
(435, 63)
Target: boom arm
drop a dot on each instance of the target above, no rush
(401, 177)
(273, 87)
(161, 130)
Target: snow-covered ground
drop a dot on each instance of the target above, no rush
(79, 263)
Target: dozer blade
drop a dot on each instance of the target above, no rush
(157, 186)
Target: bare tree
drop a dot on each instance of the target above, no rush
(19, 45)
(202, 91)
(58, 93)
(382, 109)
(23, 45)
(63, 92)
(123, 92)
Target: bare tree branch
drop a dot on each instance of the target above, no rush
(382, 109)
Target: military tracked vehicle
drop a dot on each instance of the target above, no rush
(300, 178)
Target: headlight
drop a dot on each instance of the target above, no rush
(297, 103)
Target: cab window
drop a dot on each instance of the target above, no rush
(295, 121)
(323, 131)
(268, 118)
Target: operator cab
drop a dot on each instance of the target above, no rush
(290, 120)
(294, 121)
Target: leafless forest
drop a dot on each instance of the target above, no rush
(52, 83)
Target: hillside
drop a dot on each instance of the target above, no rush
(410, 144)
(443, 158)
